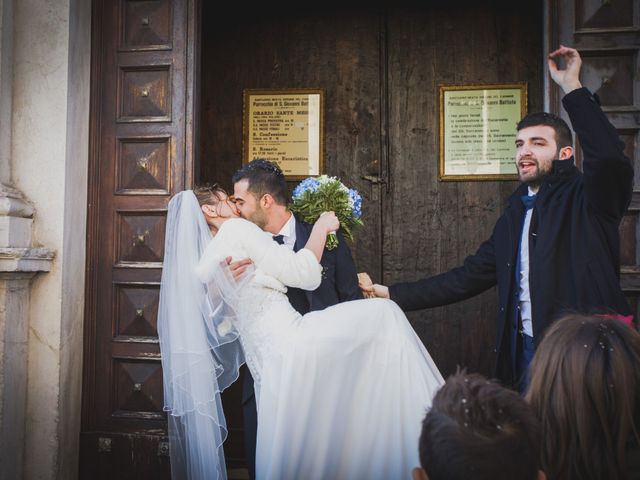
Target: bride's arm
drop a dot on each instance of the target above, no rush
(296, 269)
(327, 223)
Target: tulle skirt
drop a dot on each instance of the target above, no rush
(344, 396)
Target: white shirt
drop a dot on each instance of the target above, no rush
(525, 295)
(288, 232)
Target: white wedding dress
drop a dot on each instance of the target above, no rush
(341, 393)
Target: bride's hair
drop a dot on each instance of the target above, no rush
(209, 194)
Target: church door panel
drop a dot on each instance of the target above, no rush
(338, 51)
(430, 226)
(138, 160)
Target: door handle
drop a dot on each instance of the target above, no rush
(375, 179)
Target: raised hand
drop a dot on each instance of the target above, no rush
(568, 78)
(328, 221)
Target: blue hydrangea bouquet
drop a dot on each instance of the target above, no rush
(315, 195)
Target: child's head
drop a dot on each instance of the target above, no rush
(477, 429)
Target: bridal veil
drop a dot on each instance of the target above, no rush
(200, 349)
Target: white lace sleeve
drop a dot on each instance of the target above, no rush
(295, 269)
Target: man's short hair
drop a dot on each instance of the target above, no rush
(478, 429)
(263, 177)
(563, 132)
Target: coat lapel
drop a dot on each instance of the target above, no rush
(302, 234)
(303, 230)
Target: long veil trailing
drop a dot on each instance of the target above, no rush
(201, 352)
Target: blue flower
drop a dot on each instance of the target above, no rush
(355, 201)
(307, 185)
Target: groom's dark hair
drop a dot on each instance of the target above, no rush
(263, 177)
(481, 430)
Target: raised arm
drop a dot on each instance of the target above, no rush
(295, 269)
(328, 222)
(608, 173)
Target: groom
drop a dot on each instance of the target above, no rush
(260, 196)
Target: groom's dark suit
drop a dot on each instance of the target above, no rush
(339, 284)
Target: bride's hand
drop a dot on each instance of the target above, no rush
(370, 289)
(328, 222)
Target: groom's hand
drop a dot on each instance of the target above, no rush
(238, 268)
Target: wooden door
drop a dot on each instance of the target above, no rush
(607, 35)
(142, 77)
(381, 69)
(339, 50)
(431, 226)
(312, 48)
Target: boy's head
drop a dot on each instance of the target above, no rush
(477, 429)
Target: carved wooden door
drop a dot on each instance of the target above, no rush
(607, 35)
(142, 72)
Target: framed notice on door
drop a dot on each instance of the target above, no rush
(285, 126)
(478, 130)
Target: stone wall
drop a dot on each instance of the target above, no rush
(44, 121)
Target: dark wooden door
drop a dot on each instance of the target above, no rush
(278, 48)
(381, 69)
(142, 72)
(431, 226)
(607, 34)
(339, 51)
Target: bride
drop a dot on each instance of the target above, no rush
(341, 393)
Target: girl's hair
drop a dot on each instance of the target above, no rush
(585, 382)
(209, 194)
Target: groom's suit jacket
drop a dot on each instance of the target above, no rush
(339, 284)
(339, 276)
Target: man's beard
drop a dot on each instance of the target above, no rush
(535, 178)
(258, 217)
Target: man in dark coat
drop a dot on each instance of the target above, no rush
(555, 250)
(260, 195)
